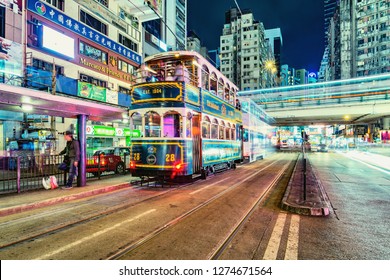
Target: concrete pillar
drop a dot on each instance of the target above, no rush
(386, 123)
(82, 137)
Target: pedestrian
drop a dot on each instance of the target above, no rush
(72, 152)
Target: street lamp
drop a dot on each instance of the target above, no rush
(270, 71)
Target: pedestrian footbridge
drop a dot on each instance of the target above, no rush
(352, 101)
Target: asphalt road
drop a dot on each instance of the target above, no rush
(191, 221)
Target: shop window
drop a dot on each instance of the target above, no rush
(47, 66)
(93, 52)
(152, 124)
(125, 67)
(206, 127)
(172, 124)
(92, 80)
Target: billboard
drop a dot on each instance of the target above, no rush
(11, 60)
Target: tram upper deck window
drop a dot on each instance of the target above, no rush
(172, 125)
(234, 132)
(152, 124)
(205, 77)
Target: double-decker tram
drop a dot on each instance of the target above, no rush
(186, 112)
(255, 127)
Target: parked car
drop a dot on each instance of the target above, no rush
(322, 148)
(115, 159)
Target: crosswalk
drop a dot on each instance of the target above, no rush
(272, 249)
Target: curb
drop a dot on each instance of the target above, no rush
(303, 207)
(65, 198)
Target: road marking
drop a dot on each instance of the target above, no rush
(96, 234)
(208, 186)
(293, 239)
(273, 244)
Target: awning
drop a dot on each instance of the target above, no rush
(43, 103)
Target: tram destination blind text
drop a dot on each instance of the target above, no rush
(201, 272)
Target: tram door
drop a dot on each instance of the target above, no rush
(196, 148)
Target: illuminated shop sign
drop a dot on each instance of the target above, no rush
(57, 42)
(79, 28)
(108, 131)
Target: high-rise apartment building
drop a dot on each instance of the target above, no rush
(275, 42)
(244, 50)
(329, 10)
(175, 27)
(358, 43)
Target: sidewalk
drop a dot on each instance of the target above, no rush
(316, 202)
(16, 203)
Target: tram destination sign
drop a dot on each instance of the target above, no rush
(157, 92)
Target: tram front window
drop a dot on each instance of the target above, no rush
(152, 124)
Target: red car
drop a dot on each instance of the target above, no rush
(109, 159)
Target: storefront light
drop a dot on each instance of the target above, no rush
(26, 107)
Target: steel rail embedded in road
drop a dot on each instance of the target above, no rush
(219, 251)
(157, 232)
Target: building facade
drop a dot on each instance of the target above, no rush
(358, 39)
(244, 50)
(84, 50)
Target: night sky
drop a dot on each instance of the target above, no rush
(301, 23)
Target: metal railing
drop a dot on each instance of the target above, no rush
(25, 173)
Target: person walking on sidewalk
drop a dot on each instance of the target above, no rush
(72, 151)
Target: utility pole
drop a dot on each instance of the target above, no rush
(53, 91)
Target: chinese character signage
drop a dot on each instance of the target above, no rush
(40, 8)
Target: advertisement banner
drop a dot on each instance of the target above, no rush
(11, 60)
(91, 91)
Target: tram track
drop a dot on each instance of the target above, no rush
(84, 220)
(227, 241)
(158, 232)
(58, 229)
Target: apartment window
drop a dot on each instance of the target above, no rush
(59, 4)
(103, 2)
(128, 43)
(93, 52)
(93, 22)
(125, 67)
(2, 21)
